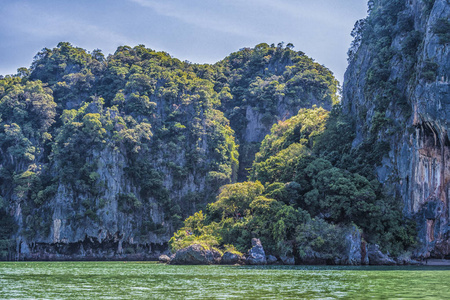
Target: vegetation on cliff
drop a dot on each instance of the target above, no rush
(304, 193)
(181, 140)
(274, 82)
(78, 125)
(395, 84)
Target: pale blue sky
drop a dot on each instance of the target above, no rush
(201, 31)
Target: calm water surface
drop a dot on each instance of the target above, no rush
(148, 280)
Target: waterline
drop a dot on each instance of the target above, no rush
(147, 280)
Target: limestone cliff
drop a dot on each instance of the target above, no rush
(267, 84)
(397, 88)
(103, 158)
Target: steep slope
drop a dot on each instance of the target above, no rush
(266, 84)
(397, 88)
(102, 158)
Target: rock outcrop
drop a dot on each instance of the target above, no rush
(196, 255)
(256, 255)
(271, 259)
(408, 107)
(164, 259)
(356, 248)
(376, 257)
(230, 258)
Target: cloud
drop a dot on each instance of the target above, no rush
(31, 22)
(306, 11)
(200, 14)
(263, 20)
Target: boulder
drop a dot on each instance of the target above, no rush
(376, 257)
(196, 255)
(287, 260)
(356, 248)
(164, 259)
(256, 255)
(230, 258)
(271, 259)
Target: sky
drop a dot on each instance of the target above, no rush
(200, 31)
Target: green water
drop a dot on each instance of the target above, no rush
(147, 280)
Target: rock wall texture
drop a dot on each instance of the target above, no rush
(415, 119)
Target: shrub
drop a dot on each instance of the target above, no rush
(442, 30)
(128, 203)
(429, 70)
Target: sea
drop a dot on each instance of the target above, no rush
(152, 280)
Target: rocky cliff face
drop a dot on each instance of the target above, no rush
(397, 86)
(268, 84)
(111, 232)
(102, 158)
(103, 165)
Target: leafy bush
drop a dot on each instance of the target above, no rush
(310, 170)
(442, 30)
(239, 214)
(318, 239)
(429, 70)
(128, 203)
(7, 228)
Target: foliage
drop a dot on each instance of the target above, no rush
(194, 232)
(320, 239)
(168, 129)
(356, 33)
(77, 119)
(128, 202)
(442, 30)
(273, 82)
(240, 213)
(288, 142)
(313, 193)
(7, 228)
(234, 200)
(429, 70)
